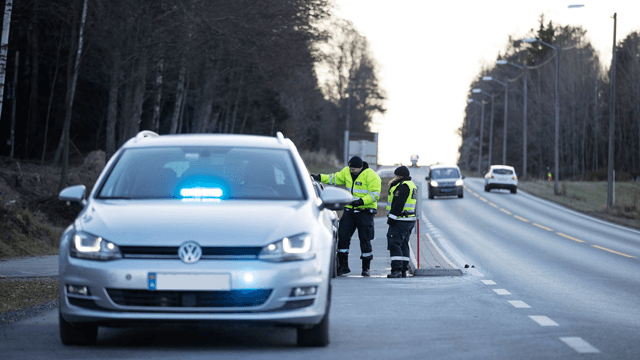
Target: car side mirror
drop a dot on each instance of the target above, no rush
(334, 198)
(463, 176)
(426, 178)
(73, 193)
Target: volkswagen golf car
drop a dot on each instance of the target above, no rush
(200, 229)
(445, 180)
(501, 177)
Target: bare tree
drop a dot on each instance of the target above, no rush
(71, 89)
(4, 47)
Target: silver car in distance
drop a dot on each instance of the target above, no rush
(200, 229)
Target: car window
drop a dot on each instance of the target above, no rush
(203, 172)
(446, 173)
(502, 171)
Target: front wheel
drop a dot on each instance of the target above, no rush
(430, 194)
(77, 334)
(461, 195)
(317, 335)
(486, 188)
(514, 190)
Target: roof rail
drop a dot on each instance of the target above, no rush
(280, 137)
(145, 134)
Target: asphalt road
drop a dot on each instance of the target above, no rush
(546, 283)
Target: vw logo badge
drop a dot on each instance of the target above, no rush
(190, 252)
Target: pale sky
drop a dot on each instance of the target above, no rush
(429, 52)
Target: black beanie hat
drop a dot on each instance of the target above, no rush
(355, 162)
(402, 171)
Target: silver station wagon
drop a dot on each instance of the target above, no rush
(200, 229)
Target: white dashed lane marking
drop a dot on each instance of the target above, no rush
(519, 304)
(488, 282)
(579, 345)
(543, 320)
(502, 292)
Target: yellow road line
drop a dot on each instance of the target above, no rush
(542, 227)
(520, 218)
(494, 205)
(612, 251)
(570, 237)
(476, 195)
(505, 211)
(483, 199)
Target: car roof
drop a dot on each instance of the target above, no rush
(149, 139)
(502, 167)
(444, 167)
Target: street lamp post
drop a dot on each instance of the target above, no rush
(524, 114)
(612, 114)
(480, 91)
(481, 103)
(556, 146)
(506, 107)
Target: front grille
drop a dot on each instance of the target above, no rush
(223, 299)
(446, 184)
(208, 253)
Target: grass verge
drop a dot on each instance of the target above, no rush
(590, 197)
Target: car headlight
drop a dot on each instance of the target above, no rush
(434, 183)
(459, 182)
(292, 248)
(87, 246)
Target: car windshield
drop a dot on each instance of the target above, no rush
(502, 171)
(445, 173)
(212, 172)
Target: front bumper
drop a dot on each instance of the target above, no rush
(260, 292)
(446, 191)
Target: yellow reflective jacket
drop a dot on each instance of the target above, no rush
(366, 186)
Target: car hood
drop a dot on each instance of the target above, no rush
(171, 223)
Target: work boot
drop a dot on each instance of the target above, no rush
(366, 263)
(404, 274)
(395, 274)
(343, 264)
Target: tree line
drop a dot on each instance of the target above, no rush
(584, 100)
(103, 70)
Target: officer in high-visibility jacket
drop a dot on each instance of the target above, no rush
(401, 217)
(365, 185)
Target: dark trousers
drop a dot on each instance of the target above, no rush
(398, 244)
(349, 222)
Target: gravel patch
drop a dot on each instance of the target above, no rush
(23, 314)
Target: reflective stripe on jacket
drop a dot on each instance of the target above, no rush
(409, 208)
(366, 186)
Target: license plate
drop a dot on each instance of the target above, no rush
(447, 190)
(169, 281)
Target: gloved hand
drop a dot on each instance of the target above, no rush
(357, 202)
(391, 221)
(316, 177)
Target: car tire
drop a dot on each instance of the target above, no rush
(514, 190)
(317, 335)
(461, 195)
(334, 264)
(486, 188)
(430, 194)
(70, 334)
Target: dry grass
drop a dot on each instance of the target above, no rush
(24, 293)
(24, 232)
(591, 197)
